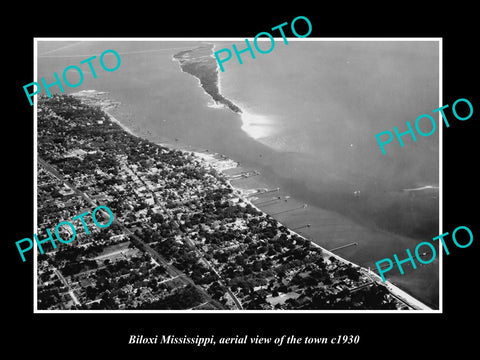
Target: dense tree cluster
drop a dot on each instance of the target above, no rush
(184, 212)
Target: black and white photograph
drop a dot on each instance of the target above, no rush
(260, 187)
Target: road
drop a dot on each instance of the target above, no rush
(99, 257)
(174, 272)
(361, 286)
(64, 281)
(220, 279)
(60, 177)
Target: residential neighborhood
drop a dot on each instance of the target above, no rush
(182, 237)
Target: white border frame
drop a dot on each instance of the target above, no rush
(280, 312)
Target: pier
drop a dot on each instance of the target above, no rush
(244, 175)
(376, 268)
(272, 200)
(285, 211)
(343, 246)
(301, 227)
(268, 191)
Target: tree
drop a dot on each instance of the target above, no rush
(42, 257)
(292, 303)
(240, 260)
(327, 280)
(157, 218)
(257, 266)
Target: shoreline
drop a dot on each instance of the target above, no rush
(221, 163)
(207, 74)
(213, 88)
(400, 294)
(250, 120)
